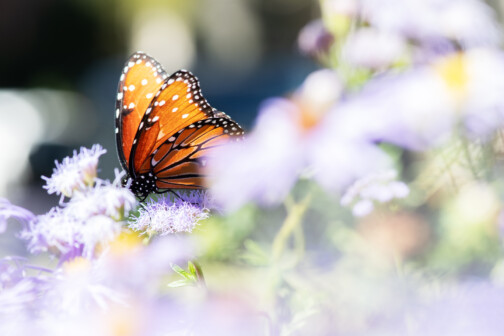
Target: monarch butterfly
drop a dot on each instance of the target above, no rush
(165, 128)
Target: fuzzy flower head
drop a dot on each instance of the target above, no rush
(68, 236)
(75, 172)
(105, 198)
(8, 210)
(167, 215)
(375, 188)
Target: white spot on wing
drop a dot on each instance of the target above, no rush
(119, 95)
(175, 97)
(149, 95)
(144, 81)
(175, 109)
(185, 115)
(131, 87)
(131, 105)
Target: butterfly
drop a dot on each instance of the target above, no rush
(165, 128)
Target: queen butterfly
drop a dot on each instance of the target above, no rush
(165, 127)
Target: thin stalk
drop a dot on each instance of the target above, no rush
(290, 224)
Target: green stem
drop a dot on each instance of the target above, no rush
(467, 153)
(290, 225)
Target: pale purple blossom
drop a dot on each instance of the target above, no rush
(8, 210)
(172, 214)
(375, 188)
(264, 166)
(373, 49)
(420, 108)
(105, 198)
(18, 291)
(314, 39)
(74, 173)
(79, 288)
(467, 309)
(68, 236)
(471, 23)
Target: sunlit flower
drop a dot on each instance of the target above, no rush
(373, 49)
(105, 198)
(264, 166)
(8, 210)
(79, 288)
(375, 188)
(470, 23)
(19, 291)
(468, 309)
(60, 232)
(172, 214)
(75, 172)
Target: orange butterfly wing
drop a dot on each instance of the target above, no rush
(177, 163)
(141, 79)
(176, 105)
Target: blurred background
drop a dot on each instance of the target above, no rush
(61, 61)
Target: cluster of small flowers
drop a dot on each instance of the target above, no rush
(380, 187)
(408, 73)
(105, 274)
(92, 215)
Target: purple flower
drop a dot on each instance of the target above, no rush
(8, 210)
(387, 47)
(68, 236)
(469, 309)
(469, 22)
(265, 165)
(314, 39)
(105, 198)
(19, 291)
(172, 214)
(375, 188)
(74, 173)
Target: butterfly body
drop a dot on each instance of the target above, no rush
(165, 128)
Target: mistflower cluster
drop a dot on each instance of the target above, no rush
(173, 214)
(92, 215)
(375, 188)
(75, 172)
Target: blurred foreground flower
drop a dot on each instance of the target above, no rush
(378, 187)
(292, 137)
(8, 210)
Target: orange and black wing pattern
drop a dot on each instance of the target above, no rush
(165, 128)
(141, 79)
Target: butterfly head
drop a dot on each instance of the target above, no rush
(143, 185)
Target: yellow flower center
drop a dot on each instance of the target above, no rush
(453, 71)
